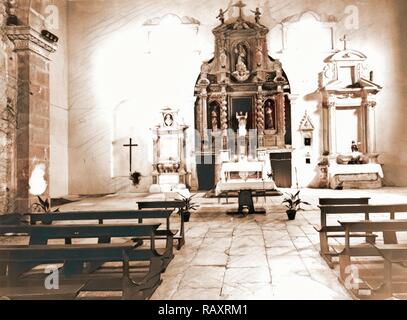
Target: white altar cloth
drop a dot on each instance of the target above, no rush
(243, 166)
(356, 169)
(239, 184)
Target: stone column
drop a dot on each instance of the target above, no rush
(371, 128)
(33, 109)
(332, 126)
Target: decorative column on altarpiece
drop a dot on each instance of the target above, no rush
(224, 118)
(204, 109)
(279, 99)
(260, 116)
(371, 130)
(332, 126)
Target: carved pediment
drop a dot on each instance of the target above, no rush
(306, 124)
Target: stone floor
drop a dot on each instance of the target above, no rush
(257, 257)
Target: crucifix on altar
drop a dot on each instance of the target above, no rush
(130, 145)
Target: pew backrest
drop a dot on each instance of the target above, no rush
(343, 201)
(100, 216)
(160, 204)
(353, 209)
(40, 234)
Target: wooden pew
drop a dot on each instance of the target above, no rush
(102, 216)
(94, 255)
(326, 231)
(41, 234)
(391, 251)
(175, 205)
(73, 282)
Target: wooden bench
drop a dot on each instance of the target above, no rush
(39, 236)
(339, 206)
(102, 216)
(391, 251)
(175, 205)
(19, 257)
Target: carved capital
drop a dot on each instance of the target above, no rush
(27, 39)
(371, 104)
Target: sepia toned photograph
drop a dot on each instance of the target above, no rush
(203, 150)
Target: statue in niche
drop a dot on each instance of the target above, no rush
(221, 15)
(257, 15)
(214, 120)
(241, 55)
(241, 73)
(242, 118)
(269, 116)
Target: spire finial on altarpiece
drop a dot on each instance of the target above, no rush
(240, 5)
(345, 40)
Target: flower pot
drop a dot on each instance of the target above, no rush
(186, 215)
(291, 214)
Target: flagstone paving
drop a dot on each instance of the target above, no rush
(255, 257)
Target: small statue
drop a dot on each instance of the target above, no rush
(269, 117)
(221, 16)
(278, 68)
(223, 58)
(354, 147)
(242, 118)
(205, 68)
(241, 73)
(257, 15)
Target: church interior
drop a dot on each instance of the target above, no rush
(269, 163)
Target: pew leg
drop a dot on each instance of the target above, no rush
(324, 245)
(388, 278)
(169, 252)
(145, 288)
(344, 264)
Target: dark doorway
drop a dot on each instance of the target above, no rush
(206, 172)
(241, 105)
(281, 165)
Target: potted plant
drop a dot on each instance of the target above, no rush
(43, 206)
(189, 206)
(293, 203)
(135, 178)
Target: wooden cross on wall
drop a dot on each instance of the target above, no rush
(130, 145)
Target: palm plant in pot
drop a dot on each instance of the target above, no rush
(293, 203)
(189, 206)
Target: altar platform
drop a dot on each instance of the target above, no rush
(358, 176)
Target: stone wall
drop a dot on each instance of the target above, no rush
(8, 121)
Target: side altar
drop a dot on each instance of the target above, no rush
(349, 129)
(170, 172)
(242, 108)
